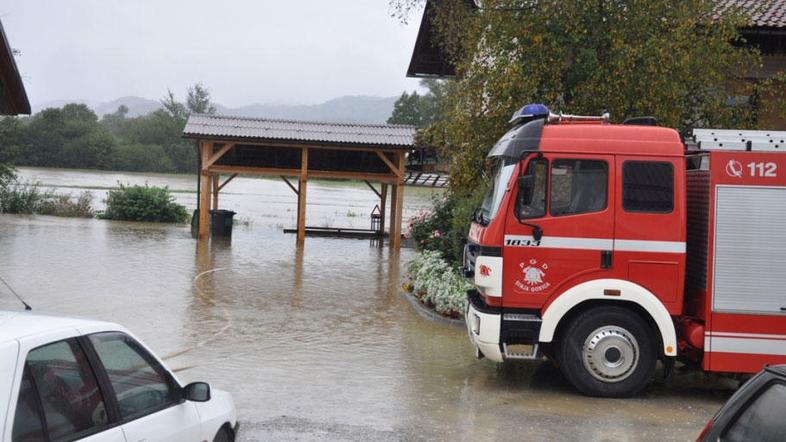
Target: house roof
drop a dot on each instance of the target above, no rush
(309, 132)
(13, 98)
(768, 14)
(427, 58)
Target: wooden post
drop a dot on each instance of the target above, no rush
(215, 191)
(204, 190)
(301, 197)
(383, 197)
(397, 204)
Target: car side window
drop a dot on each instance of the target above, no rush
(140, 384)
(762, 420)
(28, 426)
(647, 186)
(578, 186)
(532, 190)
(71, 400)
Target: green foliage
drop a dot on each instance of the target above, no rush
(142, 158)
(64, 205)
(27, 198)
(445, 227)
(677, 61)
(7, 175)
(419, 110)
(73, 137)
(143, 203)
(23, 198)
(438, 284)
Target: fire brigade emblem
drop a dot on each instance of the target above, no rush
(734, 169)
(533, 276)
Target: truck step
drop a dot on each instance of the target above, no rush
(520, 317)
(521, 351)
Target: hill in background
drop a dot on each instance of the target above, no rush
(358, 109)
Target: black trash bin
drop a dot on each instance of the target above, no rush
(221, 222)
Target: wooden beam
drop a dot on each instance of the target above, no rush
(215, 191)
(397, 213)
(231, 177)
(384, 202)
(301, 197)
(373, 177)
(389, 149)
(204, 192)
(290, 185)
(393, 167)
(219, 153)
(374, 189)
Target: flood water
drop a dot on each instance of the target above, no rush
(316, 343)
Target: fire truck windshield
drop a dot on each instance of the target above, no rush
(503, 171)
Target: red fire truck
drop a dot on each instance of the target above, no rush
(608, 247)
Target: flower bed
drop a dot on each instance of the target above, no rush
(437, 284)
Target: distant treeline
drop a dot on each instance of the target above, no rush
(74, 137)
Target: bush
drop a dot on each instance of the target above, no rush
(64, 205)
(24, 198)
(143, 203)
(438, 284)
(444, 228)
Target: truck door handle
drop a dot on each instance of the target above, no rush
(605, 259)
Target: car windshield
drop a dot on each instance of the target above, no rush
(503, 170)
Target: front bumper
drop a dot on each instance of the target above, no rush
(483, 326)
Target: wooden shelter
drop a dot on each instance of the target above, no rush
(302, 150)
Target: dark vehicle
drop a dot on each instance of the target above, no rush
(754, 413)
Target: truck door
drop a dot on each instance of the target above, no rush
(649, 229)
(567, 199)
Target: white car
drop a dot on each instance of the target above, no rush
(64, 379)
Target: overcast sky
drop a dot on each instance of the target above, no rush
(245, 51)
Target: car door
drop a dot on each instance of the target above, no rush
(60, 399)
(147, 397)
(567, 198)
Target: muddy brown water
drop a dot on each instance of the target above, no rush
(315, 343)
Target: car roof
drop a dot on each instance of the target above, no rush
(18, 324)
(612, 139)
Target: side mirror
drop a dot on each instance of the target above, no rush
(197, 392)
(537, 233)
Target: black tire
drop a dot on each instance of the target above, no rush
(608, 352)
(224, 435)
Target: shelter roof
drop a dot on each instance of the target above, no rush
(13, 98)
(308, 132)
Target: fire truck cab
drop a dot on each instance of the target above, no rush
(607, 247)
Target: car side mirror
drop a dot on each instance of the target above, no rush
(197, 392)
(537, 233)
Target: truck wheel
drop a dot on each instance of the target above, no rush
(608, 352)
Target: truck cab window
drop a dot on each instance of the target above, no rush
(578, 186)
(647, 186)
(532, 190)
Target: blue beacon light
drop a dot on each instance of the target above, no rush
(530, 112)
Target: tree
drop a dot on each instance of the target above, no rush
(176, 109)
(12, 144)
(419, 110)
(678, 61)
(198, 100)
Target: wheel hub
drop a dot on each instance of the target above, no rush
(610, 354)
